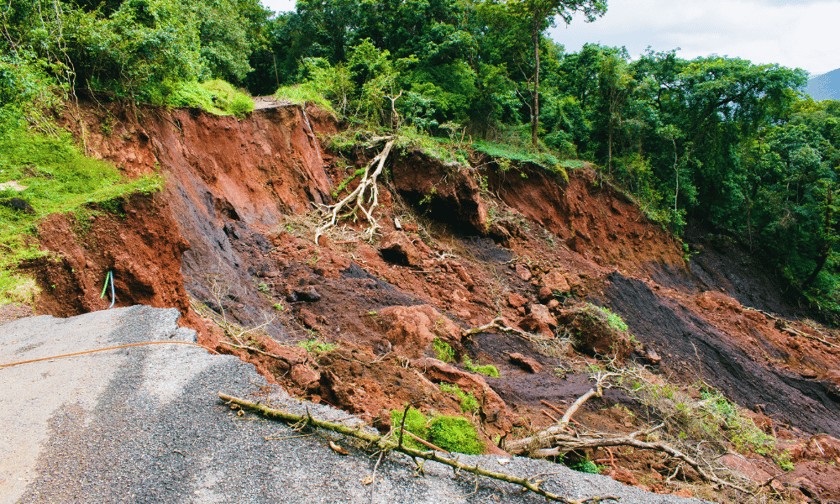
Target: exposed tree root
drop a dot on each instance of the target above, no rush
(386, 443)
(498, 323)
(368, 180)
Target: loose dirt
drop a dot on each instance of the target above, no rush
(231, 237)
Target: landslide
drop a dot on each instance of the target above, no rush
(229, 242)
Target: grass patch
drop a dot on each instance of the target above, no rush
(215, 96)
(317, 346)
(59, 179)
(443, 351)
(487, 370)
(302, 93)
(452, 433)
(469, 404)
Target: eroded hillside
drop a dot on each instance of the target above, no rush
(230, 243)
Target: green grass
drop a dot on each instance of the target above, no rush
(60, 180)
(215, 96)
(302, 93)
(469, 404)
(443, 351)
(316, 346)
(487, 370)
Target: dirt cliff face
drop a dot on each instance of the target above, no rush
(232, 235)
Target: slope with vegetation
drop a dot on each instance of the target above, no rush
(441, 209)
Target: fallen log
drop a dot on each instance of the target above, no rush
(385, 443)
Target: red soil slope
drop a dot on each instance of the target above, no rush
(233, 229)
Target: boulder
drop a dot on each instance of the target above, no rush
(493, 409)
(526, 363)
(412, 329)
(397, 248)
(515, 300)
(555, 281)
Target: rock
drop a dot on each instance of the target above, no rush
(493, 408)
(541, 314)
(739, 464)
(526, 363)
(412, 329)
(397, 248)
(523, 272)
(683, 492)
(530, 324)
(500, 234)
(303, 375)
(555, 281)
(308, 294)
(593, 333)
(309, 319)
(623, 475)
(545, 295)
(464, 276)
(515, 300)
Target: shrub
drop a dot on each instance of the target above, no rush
(443, 350)
(487, 370)
(469, 404)
(455, 434)
(317, 346)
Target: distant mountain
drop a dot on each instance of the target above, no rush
(825, 86)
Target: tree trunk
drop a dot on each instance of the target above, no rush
(535, 113)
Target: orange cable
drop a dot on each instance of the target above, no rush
(104, 349)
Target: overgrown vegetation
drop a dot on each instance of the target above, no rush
(317, 346)
(443, 350)
(469, 404)
(699, 414)
(454, 434)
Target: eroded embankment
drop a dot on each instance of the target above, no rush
(233, 230)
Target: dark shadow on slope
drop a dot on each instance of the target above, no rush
(689, 344)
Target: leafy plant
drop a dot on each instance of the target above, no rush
(443, 350)
(469, 404)
(317, 346)
(455, 434)
(488, 369)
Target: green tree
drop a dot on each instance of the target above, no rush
(536, 16)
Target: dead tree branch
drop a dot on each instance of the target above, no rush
(368, 181)
(498, 323)
(386, 443)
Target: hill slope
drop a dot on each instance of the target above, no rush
(361, 325)
(825, 86)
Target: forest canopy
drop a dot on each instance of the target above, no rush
(733, 146)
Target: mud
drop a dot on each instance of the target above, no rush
(233, 234)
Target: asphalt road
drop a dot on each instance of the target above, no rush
(144, 425)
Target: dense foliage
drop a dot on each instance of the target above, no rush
(716, 139)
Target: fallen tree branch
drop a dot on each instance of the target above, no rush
(368, 180)
(787, 327)
(498, 323)
(553, 442)
(385, 444)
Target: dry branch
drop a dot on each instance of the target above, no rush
(498, 323)
(385, 443)
(368, 181)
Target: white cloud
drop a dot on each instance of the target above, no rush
(279, 5)
(792, 33)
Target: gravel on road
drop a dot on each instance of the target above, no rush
(145, 425)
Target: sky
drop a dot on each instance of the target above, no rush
(792, 33)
